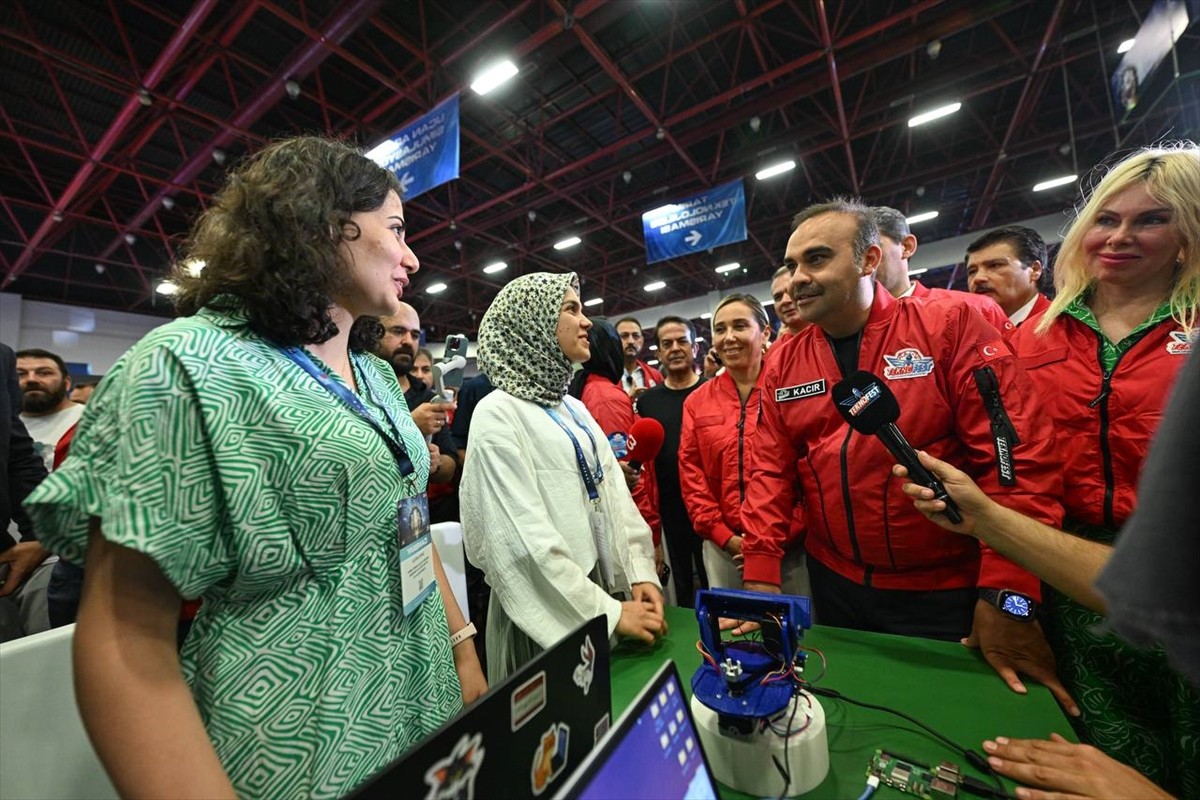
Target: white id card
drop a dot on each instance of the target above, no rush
(417, 577)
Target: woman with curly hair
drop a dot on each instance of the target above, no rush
(254, 454)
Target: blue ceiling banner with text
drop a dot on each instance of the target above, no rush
(423, 154)
(714, 217)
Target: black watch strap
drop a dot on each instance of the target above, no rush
(1011, 604)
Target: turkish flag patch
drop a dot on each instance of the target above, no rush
(993, 350)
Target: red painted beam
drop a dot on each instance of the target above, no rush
(345, 21)
(1025, 105)
(835, 84)
(163, 64)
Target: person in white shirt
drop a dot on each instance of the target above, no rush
(46, 407)
(546, 513)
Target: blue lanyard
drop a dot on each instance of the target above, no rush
(351, 401)
(589, 481)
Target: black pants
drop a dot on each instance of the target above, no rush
(684, 547)
(940, 614)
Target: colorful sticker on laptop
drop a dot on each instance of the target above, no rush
(453, 778)
(550, 757)
(527, 700)
(800, 391)
(600, 729)
(1180, 344)
(584, 671)
(907, 363)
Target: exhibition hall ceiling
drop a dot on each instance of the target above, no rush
(118, 120)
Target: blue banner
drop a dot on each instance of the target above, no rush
(700, 222)
(423, 154)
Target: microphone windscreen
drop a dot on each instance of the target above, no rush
(645, 440)
(865, 402)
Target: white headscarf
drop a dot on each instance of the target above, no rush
(518, 338)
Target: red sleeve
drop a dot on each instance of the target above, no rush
(703, 508)
(1037, 491)
(645, 495)
(612, 410)
(769, 510)
(64, 446)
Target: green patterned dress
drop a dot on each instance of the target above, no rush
(252, 487)
(1135, 707)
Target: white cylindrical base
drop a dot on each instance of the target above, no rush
(747, 764)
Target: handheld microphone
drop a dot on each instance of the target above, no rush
(870, 408)
(645, 440)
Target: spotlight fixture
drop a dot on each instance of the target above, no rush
(1050, 184)
(937, 113)
(494, 76)
(924, 216)
(775, 169)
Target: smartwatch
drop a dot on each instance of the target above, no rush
(1014, 605)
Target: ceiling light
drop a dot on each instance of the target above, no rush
(730, 267)
(382, 153)
(568, 242)
(653, 362)
(653, 347)
(194, 267)
(167, 288)
(768, 302)
(494, 76)
(775, 169)
(130, 239)
(922, 217)
(436, 288)
(595, 301)
(937, 113)
(1050, 184)
(654, 287)
(168, 202)
(1125, 46)
(917, 272)
(493, 268)
(706, 315)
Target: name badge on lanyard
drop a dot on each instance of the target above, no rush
(417, 577)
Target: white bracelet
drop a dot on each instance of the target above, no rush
(463, 635)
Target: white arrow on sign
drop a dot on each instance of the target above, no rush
(405, 182)
(693, 238)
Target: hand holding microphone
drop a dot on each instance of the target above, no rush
(870, 408)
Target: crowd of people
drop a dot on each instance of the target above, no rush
(276, 454)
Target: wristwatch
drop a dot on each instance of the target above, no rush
(1014, 605)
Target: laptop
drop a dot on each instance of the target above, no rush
(652, 752)
(520, 740)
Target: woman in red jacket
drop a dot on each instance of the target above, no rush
(1105, 355)
(719, 421)
(598, 385)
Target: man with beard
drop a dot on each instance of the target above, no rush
(639, 376)
(399, 345)
(874, 564)
(677, 349)
(47, 411)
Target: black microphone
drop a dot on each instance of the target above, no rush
(870, 408)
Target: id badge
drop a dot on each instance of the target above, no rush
(417, 577)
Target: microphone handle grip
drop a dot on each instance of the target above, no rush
(903, 452)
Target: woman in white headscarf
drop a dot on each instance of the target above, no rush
(546, 514)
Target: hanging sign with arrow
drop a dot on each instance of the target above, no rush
(703, 221)
(424, 153)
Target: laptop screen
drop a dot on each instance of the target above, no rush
(652, 752)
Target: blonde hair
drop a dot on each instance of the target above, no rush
(1171, 174)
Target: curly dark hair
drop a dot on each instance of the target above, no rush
(270, 240)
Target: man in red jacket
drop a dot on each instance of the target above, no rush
(1006, 264)
(875, 563)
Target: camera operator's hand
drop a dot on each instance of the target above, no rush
(431, 417)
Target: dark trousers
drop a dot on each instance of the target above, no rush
(63, 593)
(684, 547)
(939, 614)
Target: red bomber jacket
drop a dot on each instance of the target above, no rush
(1103, 423)
(715, 457)
(962, 397)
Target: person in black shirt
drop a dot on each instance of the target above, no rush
(677, 352)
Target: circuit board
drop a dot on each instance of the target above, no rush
(913, 777)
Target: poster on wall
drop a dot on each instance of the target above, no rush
(424, 153)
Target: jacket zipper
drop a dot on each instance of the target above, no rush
(741, 429)
(867, 569)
